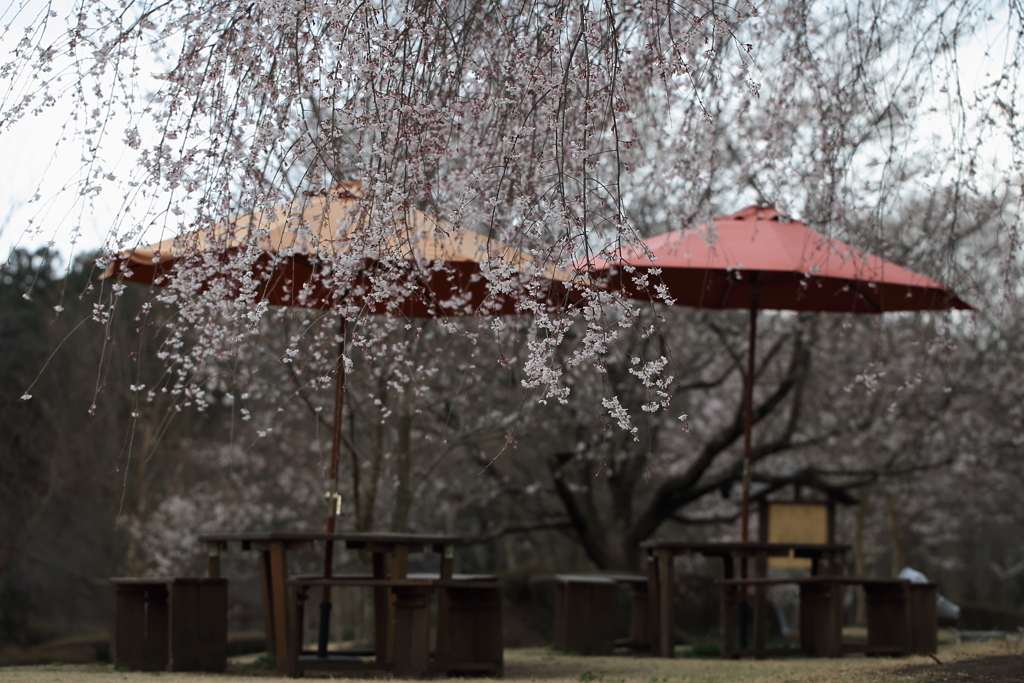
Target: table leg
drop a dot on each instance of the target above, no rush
(821, 626)
(727, 619)
(836, 562)
(760, 605)
(399, 570)
(888, 611)
(665, 589)
(444, 605)
(412, 631)
(278, 586)
(758, 618)
(298, 601)
(400, 562)
(924, 620)
(653, 603)
(213, 559)
(638, 602)
(268, 601)
(381, 610)
(130, 627)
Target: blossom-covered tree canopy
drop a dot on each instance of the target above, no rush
(561, 130)
(393, 154)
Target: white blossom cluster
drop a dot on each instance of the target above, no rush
(545, 128)
(512, 121)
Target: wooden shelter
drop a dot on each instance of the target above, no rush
(798, 507)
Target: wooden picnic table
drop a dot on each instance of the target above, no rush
(390, 562)
(826, 559)
(901, 616)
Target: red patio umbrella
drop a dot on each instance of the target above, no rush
(299, 248)
(756, 259)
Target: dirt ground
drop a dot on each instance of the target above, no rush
(980, 670)
(968, 663)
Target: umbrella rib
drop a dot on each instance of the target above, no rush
(726, 293)
(874, 305)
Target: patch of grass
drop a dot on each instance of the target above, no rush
(266, 661)
(703, 650)
(589, 676)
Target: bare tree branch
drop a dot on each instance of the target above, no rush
(518, 528)
(677, 491)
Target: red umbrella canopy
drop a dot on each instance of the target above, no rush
(791, 266)
(754, 259)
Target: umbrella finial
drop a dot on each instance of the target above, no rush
(760, 212)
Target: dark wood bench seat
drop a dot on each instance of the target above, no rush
(410, 612)
(435, 577)
(171, 624)
(778, 580)
(469, 628)
(901, 615)
(469, 625)
(630, 579)
(585, 613)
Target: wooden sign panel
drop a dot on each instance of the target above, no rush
(796, 523)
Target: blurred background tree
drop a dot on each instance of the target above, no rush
(559, 129)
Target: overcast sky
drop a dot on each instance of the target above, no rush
(36, 166)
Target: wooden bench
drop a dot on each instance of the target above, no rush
(169, 624)
(469, 635)
(585, 612)
(826, 559)
(901, 616)
(469, 628)
(410, 647)
(639, 614)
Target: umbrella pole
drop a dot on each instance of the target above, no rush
(748, 427)
(333, 497)
(748, 418)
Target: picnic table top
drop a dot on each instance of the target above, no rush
(359, 581)
(155, 580)
(600, 578)
(352, 538)
(852, 580)
(737, 547)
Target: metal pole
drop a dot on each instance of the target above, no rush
(333, 497)
(748, 427)
(748, 420)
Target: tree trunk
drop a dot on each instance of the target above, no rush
(894, 533)
(134, 565)
(624, 553)
(510, 554)
(403, 489)
(377, 465)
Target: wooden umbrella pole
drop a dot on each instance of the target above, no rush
(748, 418)
(333, 497)
(748, 428)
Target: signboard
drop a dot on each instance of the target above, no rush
(796, 523)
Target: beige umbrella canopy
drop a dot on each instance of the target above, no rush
(313, 254)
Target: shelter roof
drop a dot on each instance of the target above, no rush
(803, 476)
